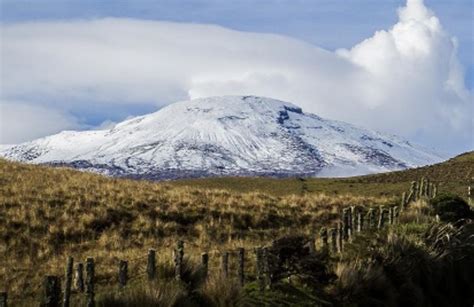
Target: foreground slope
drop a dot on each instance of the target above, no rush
(226, 136)
(48, 214)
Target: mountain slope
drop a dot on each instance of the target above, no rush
(229, 135)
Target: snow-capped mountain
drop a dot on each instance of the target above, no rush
(229, 135)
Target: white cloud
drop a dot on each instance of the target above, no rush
(22, 122)
(406, 80)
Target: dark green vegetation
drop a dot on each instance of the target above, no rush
(450, 207)
(452, 175)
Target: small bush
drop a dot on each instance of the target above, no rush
(450, 208)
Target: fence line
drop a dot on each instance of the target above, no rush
(352, 220)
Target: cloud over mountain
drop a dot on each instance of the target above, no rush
(406, 80)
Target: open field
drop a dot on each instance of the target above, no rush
(453, 175)
(48, 214)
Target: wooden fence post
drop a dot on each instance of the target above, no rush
(323, 234)
(404, 199)
(151, 264)
(469, 195)
(422, 187)
(360, 221)
(428, 188)
(225, 264)
(52, 292)
(352, 220)
(371, 215)
(90, 280)
(333, 235)
(123, 273)
(68, 282)
(381, 221)
(347, 223)
(178, 259)
(241, 272)
(205, 263)
(266, 268)
(396, 214)
(311, 245)
(413, 192)
(80, 277)
(390, 215)
(259, 267)
(3, 299)
(340, 237)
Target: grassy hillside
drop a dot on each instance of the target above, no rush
(47, 214)
(452, 175)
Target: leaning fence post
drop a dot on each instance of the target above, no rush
(414, 191)
(90, 280)
(178, 259)
(225, 264)
(241, 255)
(68, 283)
(381, 221)
(421, 188)
(205, 263)
(123, 273)
(151, 264)
(3, 299)
(52, 291)
(403, 202)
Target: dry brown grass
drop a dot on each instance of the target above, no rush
(47, 214)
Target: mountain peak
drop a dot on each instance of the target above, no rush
(226, 135)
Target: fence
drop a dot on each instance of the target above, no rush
(353, 220)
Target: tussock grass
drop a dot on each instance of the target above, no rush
(47, 214)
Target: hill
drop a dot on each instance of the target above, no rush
(453, 175)
(48, 214)
(226, 136)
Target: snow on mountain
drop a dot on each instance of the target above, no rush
(229, 135)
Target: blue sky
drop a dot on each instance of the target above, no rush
(84, 64)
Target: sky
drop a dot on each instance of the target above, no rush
(405, 68)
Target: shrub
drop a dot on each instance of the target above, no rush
(450, 208)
